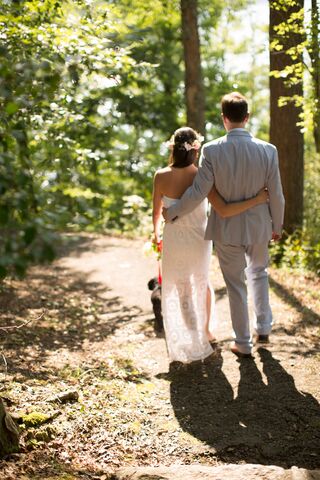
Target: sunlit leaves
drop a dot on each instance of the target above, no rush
(281, 4)
(56, 63)
(293, 37)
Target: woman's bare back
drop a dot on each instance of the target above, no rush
(173, 182)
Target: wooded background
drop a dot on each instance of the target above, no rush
(90, 90)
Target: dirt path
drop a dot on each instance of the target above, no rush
(97, 338)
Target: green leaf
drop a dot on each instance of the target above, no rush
(48, 254)
(4, 215)
(3, 272)
(30, 234)
(20, 268)
(12, 108)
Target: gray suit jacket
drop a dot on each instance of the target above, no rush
(239, 165)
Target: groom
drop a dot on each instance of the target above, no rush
(239, 165)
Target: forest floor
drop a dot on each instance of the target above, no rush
(96, 340)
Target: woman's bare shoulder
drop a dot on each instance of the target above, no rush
(161, 172)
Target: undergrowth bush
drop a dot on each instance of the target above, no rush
(298, 250)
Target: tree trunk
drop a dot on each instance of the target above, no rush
(194, 90)
(9, 434)
(284, 132)
(315, 63)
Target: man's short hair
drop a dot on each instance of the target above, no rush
(235, 107)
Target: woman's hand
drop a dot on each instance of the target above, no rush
(157, 244)
(156, 238)
(262, 196)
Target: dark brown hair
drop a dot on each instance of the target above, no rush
(235, 107)
(180, 157)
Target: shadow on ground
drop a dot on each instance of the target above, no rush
(75, 244)
(75, 311)
(269, 423)
(305, 328)
(308, 316)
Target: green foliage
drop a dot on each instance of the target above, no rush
(302, 249)
(298, 250)
(89, 92)
(299, 40)
(296, 37)
(150, 101)
(312, 191)
(57, 66)
(290, 38)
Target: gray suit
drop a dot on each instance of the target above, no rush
(239, 165)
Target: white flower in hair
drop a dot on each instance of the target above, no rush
(195, 145)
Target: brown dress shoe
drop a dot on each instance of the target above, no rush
(239, 354)
(263, 339)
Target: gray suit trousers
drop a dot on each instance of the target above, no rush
(236, 263)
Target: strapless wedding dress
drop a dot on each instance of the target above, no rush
(186, 259)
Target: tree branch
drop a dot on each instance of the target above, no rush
(17, 327)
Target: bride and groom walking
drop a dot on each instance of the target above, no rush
(239, 175)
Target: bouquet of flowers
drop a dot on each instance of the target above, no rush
(152, 248)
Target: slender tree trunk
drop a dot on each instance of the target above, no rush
(315, 63)
(194, 90)
(284, 132)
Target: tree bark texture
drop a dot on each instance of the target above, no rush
(315, 63)
(284, 132)
(9, 434)
(194, 90)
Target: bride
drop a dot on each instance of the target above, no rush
(187, 297)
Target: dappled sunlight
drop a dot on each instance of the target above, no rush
(90, 93)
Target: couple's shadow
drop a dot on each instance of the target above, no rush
(269, 423)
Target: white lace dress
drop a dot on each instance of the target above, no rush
(185, 270)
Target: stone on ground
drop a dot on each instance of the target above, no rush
(221, 472)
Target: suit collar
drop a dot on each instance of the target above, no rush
(239, 131)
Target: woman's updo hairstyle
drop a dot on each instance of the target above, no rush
(184, 146)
